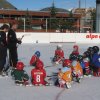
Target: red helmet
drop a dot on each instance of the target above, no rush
(20, 65)
(66, 62)
(39, 65)
(75, 47)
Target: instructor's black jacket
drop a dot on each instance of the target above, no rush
(3, 38)
(12, 39)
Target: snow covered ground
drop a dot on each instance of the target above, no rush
(88, 89)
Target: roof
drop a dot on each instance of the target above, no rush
(34, 13)
(4, 4)
(57, 10)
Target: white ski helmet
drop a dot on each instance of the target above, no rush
(59, 46)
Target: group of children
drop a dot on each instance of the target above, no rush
(73, 69)
(78, 66)
(38, 73)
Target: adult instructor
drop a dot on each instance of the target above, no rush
(12, 44)
(3, 47)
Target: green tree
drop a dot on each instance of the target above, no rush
(70, 21)
(67, 23)
(53, 21)
(28, 20)
(53, 11)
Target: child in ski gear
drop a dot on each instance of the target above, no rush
(19, 74)
(91, 52)
(96, 61)
(65, 74)
(75, 50)
(38, 74)
(90, 56)
(35, 58)
(80, 59)
(59, 55)
(77, 71)
(87, 63)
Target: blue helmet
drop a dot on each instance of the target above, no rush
(37, 53)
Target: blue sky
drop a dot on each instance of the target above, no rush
(39, 4)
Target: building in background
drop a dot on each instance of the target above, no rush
(86, 21)
(76, 20)
(37, 20)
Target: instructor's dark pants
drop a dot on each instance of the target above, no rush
(3, 54)
(13, 56)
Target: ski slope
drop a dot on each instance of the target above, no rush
(88, 89)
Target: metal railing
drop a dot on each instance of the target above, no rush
(66, 25)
